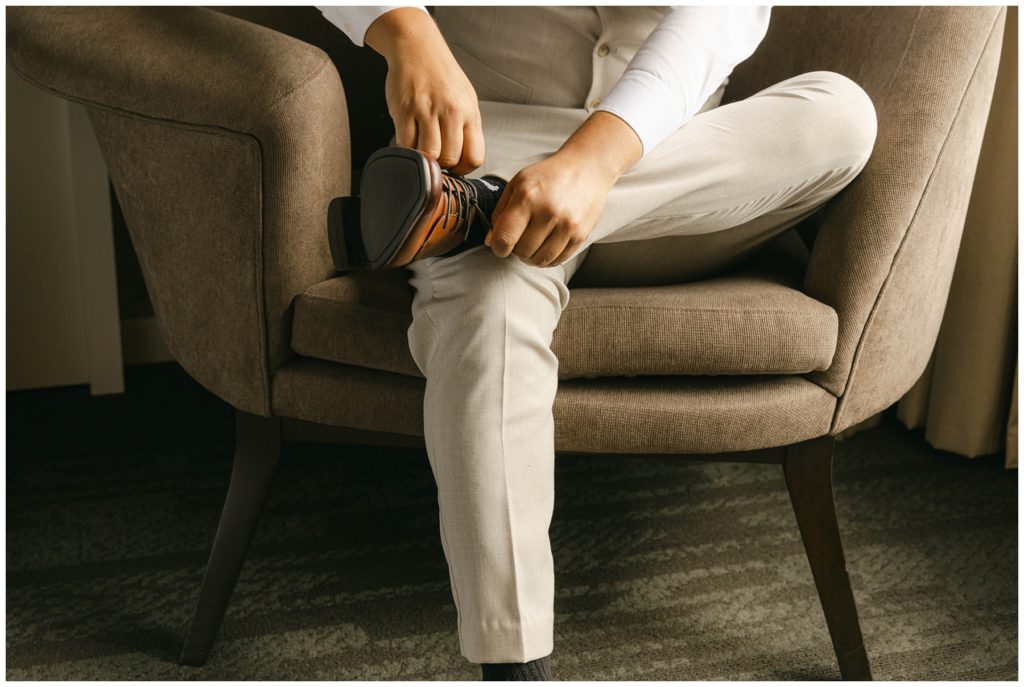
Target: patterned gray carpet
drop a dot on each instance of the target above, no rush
(666, 570)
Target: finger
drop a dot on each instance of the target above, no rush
(568, 253)
(405, 132)
(552, 248)
(428, 137)
(506, 228)
(537, 232)
(451, 143)
(472, 149)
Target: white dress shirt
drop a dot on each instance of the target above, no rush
(680, 65)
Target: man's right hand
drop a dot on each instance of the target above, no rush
(431, 102)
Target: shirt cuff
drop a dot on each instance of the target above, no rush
(354, 21)
(647, 104)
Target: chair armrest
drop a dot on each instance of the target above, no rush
(884, 254)
(225, 143)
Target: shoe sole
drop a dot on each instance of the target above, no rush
(398, 187)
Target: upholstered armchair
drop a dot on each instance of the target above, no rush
(227, 133)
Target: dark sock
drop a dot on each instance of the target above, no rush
(488, 190)
(537, 669)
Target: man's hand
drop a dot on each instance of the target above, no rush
(547, 211)
(430, 100)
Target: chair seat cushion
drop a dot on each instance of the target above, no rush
(750, 320)
(611, 415)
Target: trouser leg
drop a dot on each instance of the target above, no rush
(482, 325)
(748, 169)
(481, 335)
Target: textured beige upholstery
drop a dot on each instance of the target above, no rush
(612, 415)
(226, 139)
(885, 253)
(752, 320)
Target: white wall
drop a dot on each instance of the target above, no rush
(62, 320)
(45, 322)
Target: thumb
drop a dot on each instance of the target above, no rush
(499, 209)
(506, 228)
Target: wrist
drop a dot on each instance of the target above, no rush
(394, 32)
(605, 142)
(586, 167)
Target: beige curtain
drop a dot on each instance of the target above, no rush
(966, 400)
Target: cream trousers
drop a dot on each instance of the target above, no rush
(482, 325)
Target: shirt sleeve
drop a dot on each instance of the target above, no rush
(681, 64)
(354, 21)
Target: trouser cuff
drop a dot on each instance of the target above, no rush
(506, 642)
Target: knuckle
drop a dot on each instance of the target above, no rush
(502, 239)
(421, 106)
(530, 191)
(449, 109)
(524, 179)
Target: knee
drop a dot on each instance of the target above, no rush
(476, 300)
(485, 287)
(843, 112)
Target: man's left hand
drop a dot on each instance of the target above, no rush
(547, 211)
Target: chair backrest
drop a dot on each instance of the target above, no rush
(863, 43)
(362, 70)
(860, 42)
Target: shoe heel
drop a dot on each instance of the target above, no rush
(395, 189)
(344, 235)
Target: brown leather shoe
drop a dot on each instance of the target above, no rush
(407, 209)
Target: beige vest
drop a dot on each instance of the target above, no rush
(559, 56)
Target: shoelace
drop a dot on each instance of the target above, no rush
(463, 195)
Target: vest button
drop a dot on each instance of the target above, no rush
(603, 50)
(594, 103)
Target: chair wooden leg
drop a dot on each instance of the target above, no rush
(257, 449)
(808, 469)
